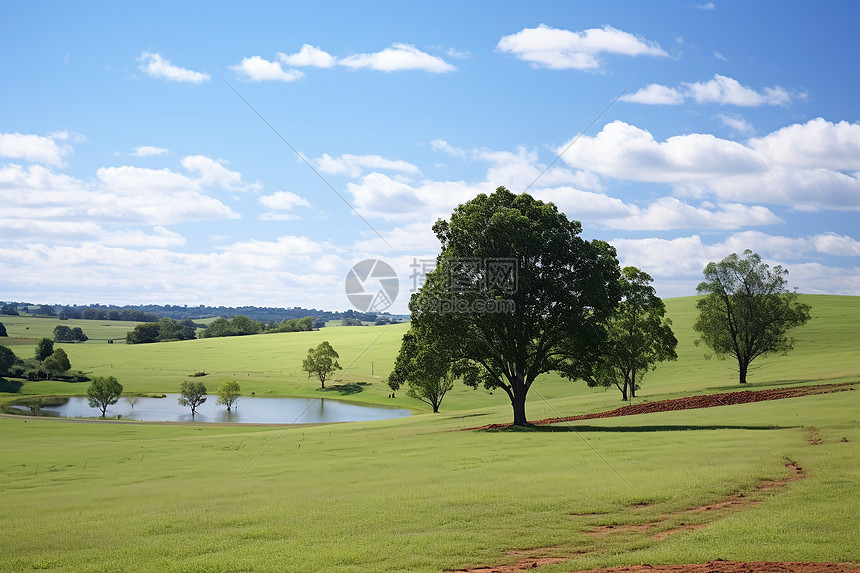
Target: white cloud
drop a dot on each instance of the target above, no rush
(148, 151)
(720, 56)
(655, 94)
(737, 124)
(815, 144)
(560, 49)
(355, 165)
(445, 147)
(624, 151)
(281, 204)
(397, 58)
(670, 213)
(157, 66)
(259, 69)
(35, 148)
(721, 90)
(308, 56)
(724, 90)
(707, 7)
(212, 172)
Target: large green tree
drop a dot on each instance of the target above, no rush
(192, 394)
(516, 292)
(747, 310)
(3, 330)
(321, 361)
(425, 368)
(57, 362)
(44, 348)
(228, 393)
(638, 336)
(103, 392)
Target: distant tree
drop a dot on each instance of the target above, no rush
(351, 322)
(103, 392)
(132, 400)
(638, 336)
(3, 330)
(143, 333)
(44, 348)
(79, 335)
(747, 310)
(9, 309)
(241, 325)
(192, 394)
(321, 361)
(228, 393)
(7, 359)
(57, 362)
(426, 368)
(46, 310)
(63, 333)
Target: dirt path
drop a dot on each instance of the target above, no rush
(669, 524)
(692, 402)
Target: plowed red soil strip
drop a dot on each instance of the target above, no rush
(720, 566)
(693, 402)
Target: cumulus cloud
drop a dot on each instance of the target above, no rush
(148, 151)
(817, 143)
(212, 172)
(50, 150)
(259, 69)
(281, 205)
(156, 66)
(624, 151)
(721, 90)
(560, 49)
(655, 94)
(445, 147)
(808, 167)
(308, 56)
(355, 165)
(398, 57)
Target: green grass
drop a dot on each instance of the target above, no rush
(412, 495)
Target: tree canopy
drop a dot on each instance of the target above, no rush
(228, 393)
(57, 362)
(747, 310)
(3, 330)
(44, 348)
(7, 359)
(426, 368)
(638, 336)
(516, 293)
(63, 333)
(321, 361)
(104, 391)
(192, 394)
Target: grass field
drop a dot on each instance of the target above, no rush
(413, 495)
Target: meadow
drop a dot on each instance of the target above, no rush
(416, 494)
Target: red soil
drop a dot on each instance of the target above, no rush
(693, 402)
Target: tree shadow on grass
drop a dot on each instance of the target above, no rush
(656, 428)
(10, 386)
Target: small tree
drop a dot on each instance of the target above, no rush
(747, 310)
(7, 359)
(57, 362)
(103, 392)
(3, 330)
(426, 368)
(638, 336)
(321, 361)
(228, 393)
(192, 394)
(44, 348)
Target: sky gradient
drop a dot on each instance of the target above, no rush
(226, 155)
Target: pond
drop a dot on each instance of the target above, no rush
(249, 410)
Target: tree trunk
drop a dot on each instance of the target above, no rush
(623, 389)
(742, 370)
(519, 404)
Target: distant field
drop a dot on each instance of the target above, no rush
(270, 364)
(414, 494)
(29, 328)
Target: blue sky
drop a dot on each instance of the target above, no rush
(131, 172)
